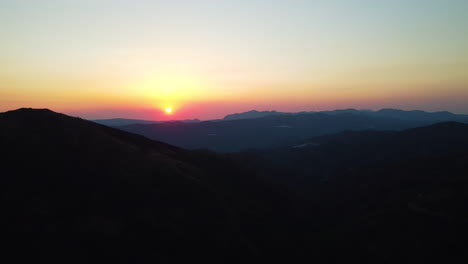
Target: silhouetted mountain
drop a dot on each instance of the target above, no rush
(76, 191)
(380, 197)
(420, 115)
(270, 128)
(324, 155)
(346, 111)
(114, 122)
(236, 135)
(251, 114)
(414, 115)
(122, 122)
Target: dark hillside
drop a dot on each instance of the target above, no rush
(78, 191)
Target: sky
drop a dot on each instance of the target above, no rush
(208, 58)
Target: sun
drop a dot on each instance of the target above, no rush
(168, 110)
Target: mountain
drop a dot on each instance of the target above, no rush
(420, 115)
(122, 122)
(413, 115)
(251, 115)
(242, 131)
(379, 196)
(75, 191)
(236, 135)
(114, 122)
(325, 155)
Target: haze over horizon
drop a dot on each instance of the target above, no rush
(206, 59)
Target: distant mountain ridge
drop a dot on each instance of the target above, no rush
(418, 115)
(114, 122)
(123, 121)
(270, 128)
(252, 114)
(415, 115)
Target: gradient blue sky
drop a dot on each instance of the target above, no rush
(107, 58)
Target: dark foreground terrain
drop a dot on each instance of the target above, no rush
(76, 192)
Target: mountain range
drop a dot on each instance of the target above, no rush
(255, 129)
(380, 196)
(415, 115)
(75, 191)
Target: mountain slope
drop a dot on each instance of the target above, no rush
(76, 191)
(322, 156)
(380, 197)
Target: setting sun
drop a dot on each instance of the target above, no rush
(168, 110)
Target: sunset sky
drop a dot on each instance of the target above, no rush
(205, 59)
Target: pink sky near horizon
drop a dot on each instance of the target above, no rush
(209, 111)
